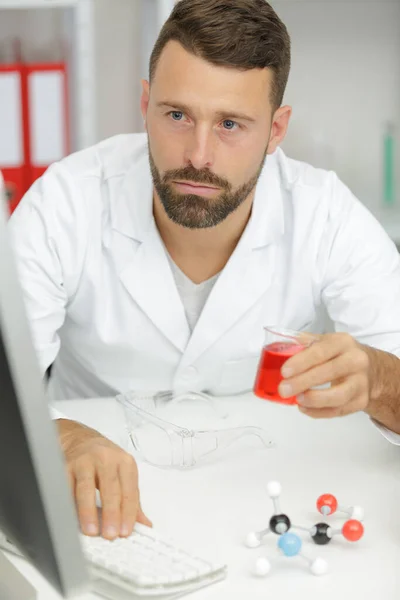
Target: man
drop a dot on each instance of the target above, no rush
(154, 261)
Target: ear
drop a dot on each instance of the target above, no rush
(280, 123)
(144, 100)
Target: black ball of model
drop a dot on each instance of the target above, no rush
(280, 524)
(321, 536)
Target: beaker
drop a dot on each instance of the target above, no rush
(279, 345)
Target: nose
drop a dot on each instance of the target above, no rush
(199, 151)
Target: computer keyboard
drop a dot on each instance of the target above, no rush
(144, 565)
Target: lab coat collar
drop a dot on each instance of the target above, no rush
(266, 223)
(132, 211)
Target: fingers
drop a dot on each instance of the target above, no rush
(71, 480)
(353, 391)
(85, 495)
(115, 475)
(129, 495)
(335, 359)
(131, 511)
(321, 351)
(331, 413)
(110, 493)
(141, 518)
(98, 463)
(344, 365)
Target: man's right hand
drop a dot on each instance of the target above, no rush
(94, 462)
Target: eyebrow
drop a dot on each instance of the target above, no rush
(220, 114)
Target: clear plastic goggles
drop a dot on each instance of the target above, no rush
(162, 443)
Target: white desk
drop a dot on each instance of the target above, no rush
(210, 509)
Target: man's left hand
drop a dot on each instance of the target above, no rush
(336, 359)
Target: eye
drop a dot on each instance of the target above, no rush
(176, 115)
(230, 125)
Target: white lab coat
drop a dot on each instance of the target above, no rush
(102, 300)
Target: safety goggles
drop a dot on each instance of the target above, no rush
(162, 443)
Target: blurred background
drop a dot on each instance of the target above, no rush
(72, 69)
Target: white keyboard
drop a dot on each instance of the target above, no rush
(144, 565)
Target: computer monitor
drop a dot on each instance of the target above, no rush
(37, 511)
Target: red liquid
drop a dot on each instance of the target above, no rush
(269, 371)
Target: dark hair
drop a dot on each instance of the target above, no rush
(242, 34)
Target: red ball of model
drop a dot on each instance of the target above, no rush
(328, 501)
(353, 530)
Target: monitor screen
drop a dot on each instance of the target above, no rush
(37, 512)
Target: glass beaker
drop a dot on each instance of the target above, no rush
(279, 345)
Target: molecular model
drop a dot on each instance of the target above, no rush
(291, 544)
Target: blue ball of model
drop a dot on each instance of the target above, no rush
(290, 544)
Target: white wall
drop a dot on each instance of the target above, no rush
(125, 34)
(344, 85)
(126, 31)
(118, 64)
(150, 19)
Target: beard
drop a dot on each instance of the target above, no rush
(194, 211)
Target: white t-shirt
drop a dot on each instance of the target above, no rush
(193, 295)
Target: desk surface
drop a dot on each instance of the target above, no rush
(210, 509)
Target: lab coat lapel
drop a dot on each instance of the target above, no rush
(249, 272)
(149, 280)
(142, 261)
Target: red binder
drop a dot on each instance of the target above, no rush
(48, 121)
(14, 140)
(34, 122)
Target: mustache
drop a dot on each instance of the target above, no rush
(189, 173)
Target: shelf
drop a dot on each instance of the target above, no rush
(79, 25)
(24, 4)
